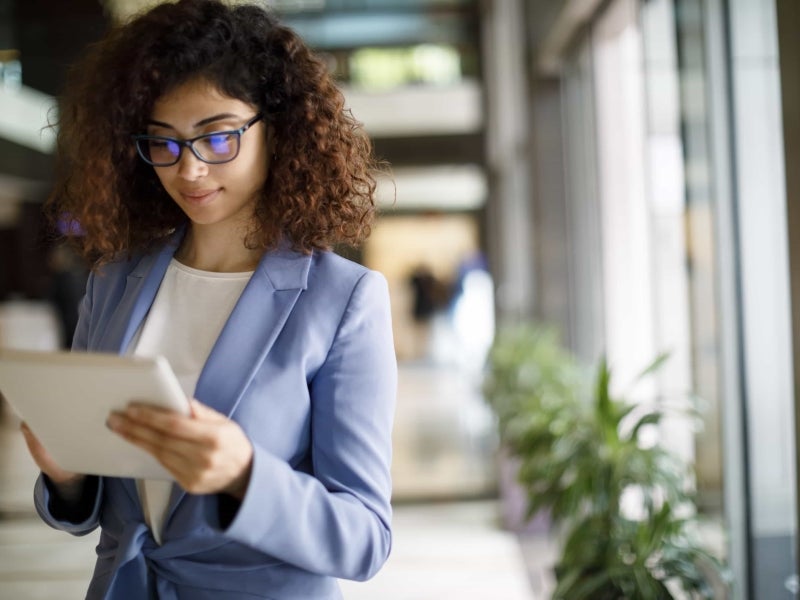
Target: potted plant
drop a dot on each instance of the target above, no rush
(528, 369)
(623, 511)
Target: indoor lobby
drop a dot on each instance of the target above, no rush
(621, 174)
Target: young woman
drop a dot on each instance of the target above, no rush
(210, 165)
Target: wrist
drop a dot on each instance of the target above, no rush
(72, 500)
(238, 487)
(69, 489)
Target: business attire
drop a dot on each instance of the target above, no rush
(305, 364)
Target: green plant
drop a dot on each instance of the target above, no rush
(580, 455)
(529, 371)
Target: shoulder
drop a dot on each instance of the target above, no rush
(121, 268)
(328, 262)
(332, 271)
(329, 283)
(111, 278)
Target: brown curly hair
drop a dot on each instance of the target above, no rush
(320, 188)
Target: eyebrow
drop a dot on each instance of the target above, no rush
(200, 123)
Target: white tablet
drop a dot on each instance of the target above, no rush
(65, 398)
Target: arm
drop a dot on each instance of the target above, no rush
(336, 522)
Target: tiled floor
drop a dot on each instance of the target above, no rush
(38, 563)
(443, 435)
(453, 550)
(440, 551)
(441, 548)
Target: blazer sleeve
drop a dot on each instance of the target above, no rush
(336, 522)
(48, 505)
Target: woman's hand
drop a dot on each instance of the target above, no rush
(68, 485)
(207, 453)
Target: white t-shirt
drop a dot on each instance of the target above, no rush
(188, 314)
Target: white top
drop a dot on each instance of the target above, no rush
(187, 316)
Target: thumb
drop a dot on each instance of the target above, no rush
(202, 411)
(30, 437)
(27, 433)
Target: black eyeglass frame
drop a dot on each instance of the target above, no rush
(190, 144)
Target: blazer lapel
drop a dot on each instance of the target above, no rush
(252, 328)
(140, 290)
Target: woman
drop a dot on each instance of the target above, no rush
(208, 161)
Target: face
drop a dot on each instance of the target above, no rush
(211, 195)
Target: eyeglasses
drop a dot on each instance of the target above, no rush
(212, 148)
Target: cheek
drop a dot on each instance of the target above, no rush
(253, 173)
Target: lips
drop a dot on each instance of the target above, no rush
(199, 197)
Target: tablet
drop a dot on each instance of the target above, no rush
(66, 397)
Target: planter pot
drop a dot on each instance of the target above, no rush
(514, 501)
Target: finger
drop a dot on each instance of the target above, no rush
(169, 423)
(199, 468)
(189, 464)
(178, 456)
(205, 412)
(34, 445)
(203, 473)
(203, 423)
(26, 431)
(43, 459)
(174, 433)
(145, 434)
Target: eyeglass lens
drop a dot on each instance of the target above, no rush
(214, 147)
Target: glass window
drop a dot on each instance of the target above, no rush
(684, 170)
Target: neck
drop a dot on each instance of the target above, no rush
(206, 250)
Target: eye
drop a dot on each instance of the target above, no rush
(219, 143)
(158, 145)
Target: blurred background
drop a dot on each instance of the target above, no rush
(625, 171)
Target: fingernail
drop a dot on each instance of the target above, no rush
(112, 421)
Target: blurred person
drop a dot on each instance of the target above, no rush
(471, 311)
(210, 165)
(427, 300)
(426, 294)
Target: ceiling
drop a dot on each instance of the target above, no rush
(339, 24)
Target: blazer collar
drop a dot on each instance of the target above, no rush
(278, 270)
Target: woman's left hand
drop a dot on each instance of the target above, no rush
(207, 453)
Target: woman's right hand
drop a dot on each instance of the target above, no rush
(68, 484)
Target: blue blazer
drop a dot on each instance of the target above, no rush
(306, 365)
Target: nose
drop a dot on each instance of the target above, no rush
(190, 167)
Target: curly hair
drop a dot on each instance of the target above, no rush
(320, 188)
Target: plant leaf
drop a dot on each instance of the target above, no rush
(651, 418)
(653, 366)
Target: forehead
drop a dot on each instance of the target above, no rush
(194, 100)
